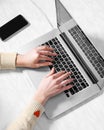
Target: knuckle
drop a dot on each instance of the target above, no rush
(53, 77)
(50, 59)
(35, 66)
(45, 47)
(56, 81)
(41, 47)
(48, 52)
(38, 55)
(67, 81)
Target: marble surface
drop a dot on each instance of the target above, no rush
(15, 88)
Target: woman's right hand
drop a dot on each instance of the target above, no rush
(53, 84)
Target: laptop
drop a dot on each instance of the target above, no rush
(76, 53)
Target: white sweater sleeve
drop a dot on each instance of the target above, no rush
(31, 113)
(27, 119)
(7, 60)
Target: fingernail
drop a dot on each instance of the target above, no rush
(56, 54)
(50, 63)
(72, 80)
(69, 73)
(71, 86)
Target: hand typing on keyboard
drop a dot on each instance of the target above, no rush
(37, 57)
(53, 84)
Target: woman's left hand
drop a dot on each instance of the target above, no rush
(37, 57)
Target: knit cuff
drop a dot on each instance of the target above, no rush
(7, 60)
(33, 107)
(27, 119)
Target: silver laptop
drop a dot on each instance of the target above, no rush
(76, 54)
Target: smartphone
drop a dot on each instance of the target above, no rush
(12, 26)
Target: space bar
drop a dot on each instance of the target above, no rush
(79, 58)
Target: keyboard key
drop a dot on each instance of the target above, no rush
(71, 91)
(50, 43)
(72, 76)
(80, 80)
(67, 95)
(75, 81)
(77, 84)
(77, 76)
(83, 85)
(75, 89)
(80, 88)
(66, 91)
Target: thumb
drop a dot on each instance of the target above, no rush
(51, 72)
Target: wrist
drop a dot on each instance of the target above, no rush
(40, 98)
(19, 60)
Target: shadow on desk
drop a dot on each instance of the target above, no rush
(17, 70)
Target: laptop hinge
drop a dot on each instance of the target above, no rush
(79, 58)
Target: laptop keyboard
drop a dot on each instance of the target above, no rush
(64, 62)
(87, 47)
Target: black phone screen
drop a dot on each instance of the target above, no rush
(12, 26)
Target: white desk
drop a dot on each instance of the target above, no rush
(15, 88)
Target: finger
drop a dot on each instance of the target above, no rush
(65, 88)
(62, 89)
(64, 76)
(58, 74)
(42, 64)
(51, 72)
(42, 57)
(47, 48)
(49, 53)
(65, 82)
